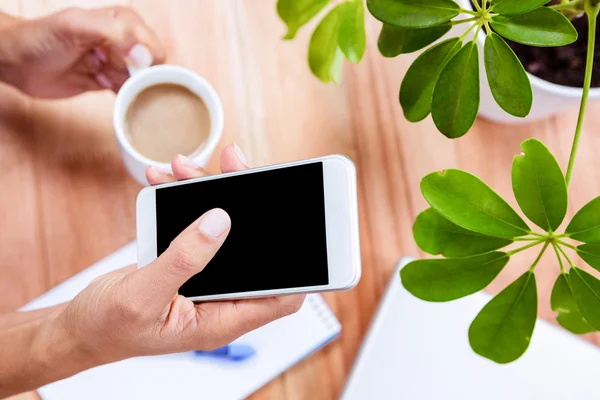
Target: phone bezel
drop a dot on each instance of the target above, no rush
(341, 221)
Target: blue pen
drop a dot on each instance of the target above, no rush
(233, 352)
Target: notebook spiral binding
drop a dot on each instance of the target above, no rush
(324, 312)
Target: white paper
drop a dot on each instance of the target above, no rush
(419, 350)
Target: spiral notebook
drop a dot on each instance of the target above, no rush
(419, 351)
(279, 345)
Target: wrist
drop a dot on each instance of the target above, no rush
(57, 350)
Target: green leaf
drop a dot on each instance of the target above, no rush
(394, 40)
(436, 235)
(586, 291)
(413, 13)
(539, 185)
(585, 225)
(503, 328)
(516, 6)
(296, 13)
(465, 200)
(456, 94)
(506, 76)
(417, 86)
(590, 254)
(562, 301)
(324, 56)
(352, 38)
(541, 27)
(445, 279)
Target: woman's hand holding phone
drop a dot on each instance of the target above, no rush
(133, 312)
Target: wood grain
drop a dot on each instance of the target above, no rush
(67, 200)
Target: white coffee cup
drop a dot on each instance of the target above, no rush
(137, 163)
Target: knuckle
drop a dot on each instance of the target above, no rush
(117, 10)
(125, 13)
(128, 306)
(129, 310)
(122, 32)
(70, 18)
(181, 256)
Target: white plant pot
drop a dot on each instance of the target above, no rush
(548, 98)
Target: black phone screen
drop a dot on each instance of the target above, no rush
(277, 238)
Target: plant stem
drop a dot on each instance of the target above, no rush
(464, 35)
(566, 256)
(592, 13)
(476, 32)
(520, 249)
(572, 5)
(562, 267)
(537, 260)
(538, 234)
(488, 30)
(470, 12)
(476, 4)
(567, 245)
(525, 239)
(462, 21)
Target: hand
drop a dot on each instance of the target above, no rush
(76, 50)
(134, 312)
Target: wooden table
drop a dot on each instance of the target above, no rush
(66, 200)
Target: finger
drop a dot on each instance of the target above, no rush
(156, 177)
(92, 62)
(115, 78)
(103, 81)
(89, 74)
(232, 159)
(184, 168)
(229, 320)
(80, 83)
(155, 285)
(142, 31)
(119, 32)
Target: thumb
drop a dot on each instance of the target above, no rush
(156, 284)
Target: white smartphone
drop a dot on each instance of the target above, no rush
(294, 228)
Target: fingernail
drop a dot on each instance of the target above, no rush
(239, 154)
(185, 161)
(214, 223)
(103, 80)
(140, 56)
(101, 55)
(160, 170)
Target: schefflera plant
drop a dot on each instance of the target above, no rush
(444, 79)
(469, 224)
(340, 33)
(474, 230)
